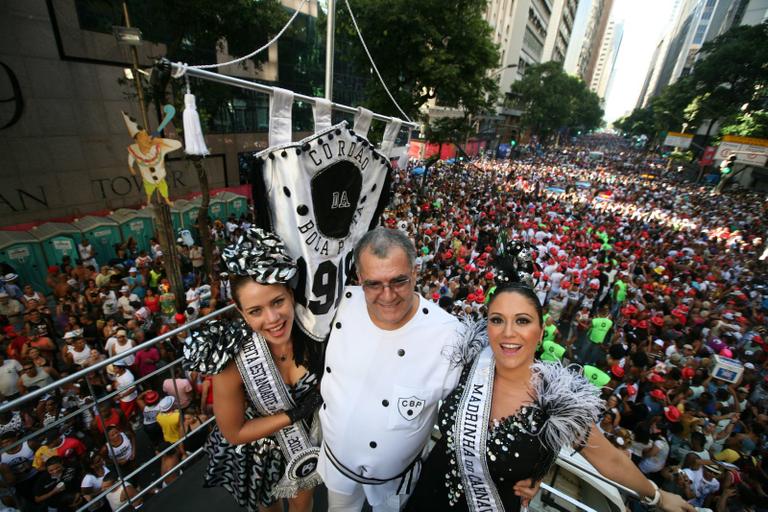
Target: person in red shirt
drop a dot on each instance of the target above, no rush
(152, 302)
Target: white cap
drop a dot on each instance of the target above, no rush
(132, 269)
(749, 366)
(659, 342)
(166, 403)
(124, 289)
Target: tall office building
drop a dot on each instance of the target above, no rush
(560, 29)
(584, 47)
(606, 58)
(697, 22)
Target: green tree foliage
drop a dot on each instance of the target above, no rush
(424, 49)
(640, 121)
(749, 124)
(731, 71)
(551, 100)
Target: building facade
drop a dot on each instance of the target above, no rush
(62, 138)
(606, 58)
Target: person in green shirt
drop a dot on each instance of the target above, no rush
(167, 303)
(619, 295)
(550, 330)
(596, 335)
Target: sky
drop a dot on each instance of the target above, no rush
(645, 22)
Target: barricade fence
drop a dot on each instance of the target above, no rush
(92, 404)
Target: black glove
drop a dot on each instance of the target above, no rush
(306, 406)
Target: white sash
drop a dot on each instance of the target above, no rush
(471, 431)
(269, 394)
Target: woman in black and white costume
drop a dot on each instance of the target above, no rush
(510, 415)
(265, 383)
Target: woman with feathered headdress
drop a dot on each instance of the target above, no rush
(265, 382)
(510, 415)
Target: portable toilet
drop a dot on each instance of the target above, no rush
(236, 204)
(23, 253)
(57, 240)
(217, 209)
(149, 211)
(136, 224)
(189, 214)
(103, 233)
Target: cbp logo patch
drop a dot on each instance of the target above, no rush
(410, 407)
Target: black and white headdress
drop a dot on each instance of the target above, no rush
(260, 255)
(514, 263)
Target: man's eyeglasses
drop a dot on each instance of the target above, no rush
(397, 284)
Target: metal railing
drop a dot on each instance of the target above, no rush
(92, 405)
(123, 479)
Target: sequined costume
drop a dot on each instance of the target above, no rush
(250, 471)
(523, 445)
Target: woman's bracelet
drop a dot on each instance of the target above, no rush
(654, 500)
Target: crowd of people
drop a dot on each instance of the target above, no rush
(90, 313)
(647, 282)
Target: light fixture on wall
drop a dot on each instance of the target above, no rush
(130, 36)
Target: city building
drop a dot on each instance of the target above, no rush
(63, 143)
(606, 58)
(695, 23)
(584, 51)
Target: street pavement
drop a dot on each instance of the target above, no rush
(187, 494)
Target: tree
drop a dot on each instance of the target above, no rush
(641, 121)
(553, 100)
(728, 80)
(748, 124)
(426, 49)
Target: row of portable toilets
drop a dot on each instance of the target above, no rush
(30, 253)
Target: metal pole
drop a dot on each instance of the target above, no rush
(161, 209)
(329, 48)
(136, 74)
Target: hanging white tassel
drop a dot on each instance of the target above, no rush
(193, 134)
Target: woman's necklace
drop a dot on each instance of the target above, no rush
(284, 356)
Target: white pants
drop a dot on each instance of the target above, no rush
(338, 502)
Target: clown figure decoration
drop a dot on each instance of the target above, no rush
(148, 154)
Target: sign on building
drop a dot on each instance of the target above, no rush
(678, 140)
(748, 150)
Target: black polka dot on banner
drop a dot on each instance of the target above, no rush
(330, 136)
(328, 369)
(349, 294)
(385, 403)
(271, 156)
(425, 311)
(373, 188)
(352, 132)
(305, 146)
(302, 209)
(365, 143)
(285, 190)
(372, 444)
(338, 325)
(338, 132)
(298, 151)
(401, 352)
(362, 199)
(319, 142)
(409, 412)
(284, 154)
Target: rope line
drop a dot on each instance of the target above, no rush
(183, 67)
(376, 69)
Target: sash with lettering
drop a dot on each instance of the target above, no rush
(470, 433)
(320, 195)
(270, 395)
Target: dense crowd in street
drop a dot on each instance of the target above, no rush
(645, 282)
